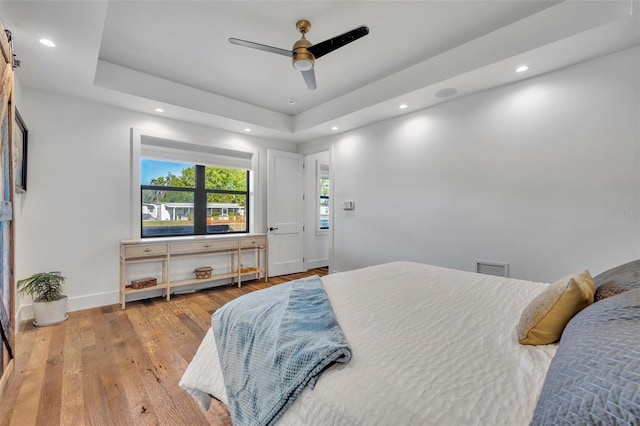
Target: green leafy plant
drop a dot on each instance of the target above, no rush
(43, 286)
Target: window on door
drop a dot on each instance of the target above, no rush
(192, 199)
(323, 196)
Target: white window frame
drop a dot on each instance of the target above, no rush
(150, 144)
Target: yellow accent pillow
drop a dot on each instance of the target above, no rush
(544, 319)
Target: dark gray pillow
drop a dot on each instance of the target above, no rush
(594, 378)
(617, 280)
(608, 289)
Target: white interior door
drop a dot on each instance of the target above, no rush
(285, 212)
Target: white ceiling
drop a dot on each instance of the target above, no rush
(175, 54)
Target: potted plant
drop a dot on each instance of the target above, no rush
(49, 304)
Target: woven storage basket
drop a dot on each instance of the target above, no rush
(203, 272)
(143, 283)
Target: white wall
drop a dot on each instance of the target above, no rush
(77, 205)
(542, 174)
(317, 242)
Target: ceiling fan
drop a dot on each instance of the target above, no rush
(303, 53)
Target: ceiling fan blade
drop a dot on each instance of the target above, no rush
(332, 44)
(283, 52)
(309, 78)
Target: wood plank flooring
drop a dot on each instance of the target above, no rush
(108, 366)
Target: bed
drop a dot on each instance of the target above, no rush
(429, 345)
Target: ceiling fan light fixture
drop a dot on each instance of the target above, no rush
(303, 64)
(302, 59)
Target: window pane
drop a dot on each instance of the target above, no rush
(225, 179)
(167, 213)
(166, 173)
(323, 216)
(171, 199)
(226, 213)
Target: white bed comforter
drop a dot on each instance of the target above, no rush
(430, 346)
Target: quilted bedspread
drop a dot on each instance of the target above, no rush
(430, 346)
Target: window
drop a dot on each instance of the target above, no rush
(192, 199)
(322, 171)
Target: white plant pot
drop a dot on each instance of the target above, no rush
(50, 313)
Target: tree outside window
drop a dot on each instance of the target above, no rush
(192, 199)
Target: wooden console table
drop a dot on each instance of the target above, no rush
(166, 250)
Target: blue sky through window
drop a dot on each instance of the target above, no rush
(150, 169)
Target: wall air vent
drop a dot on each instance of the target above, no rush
(500, 269)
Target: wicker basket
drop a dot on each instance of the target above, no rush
(143, 283)
(203, 272)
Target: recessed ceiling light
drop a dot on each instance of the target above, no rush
(522, 68)
(445, 93)
(292, 101)
(334, 128)
(403, 106)
(47, 42)
(247, 129)
(159, 110)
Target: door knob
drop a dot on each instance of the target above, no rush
(272, 229)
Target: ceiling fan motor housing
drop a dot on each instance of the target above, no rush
(302, 59)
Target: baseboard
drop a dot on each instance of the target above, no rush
(6, 377)
(93, 301)
(78, 303)
(318, 263)
(25, 312)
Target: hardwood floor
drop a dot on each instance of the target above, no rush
(108, 366)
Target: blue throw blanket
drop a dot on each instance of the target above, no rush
(274, 342)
